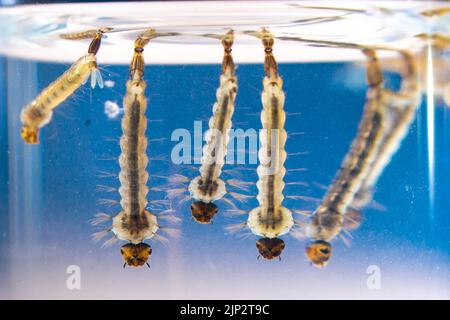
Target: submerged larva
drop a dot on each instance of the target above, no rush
(39, 112)
(386, 118)
(271, 219)
(134, 223)
(208, 186)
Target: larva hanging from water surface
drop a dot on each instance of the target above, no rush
(208, 186)
(271, 219)
(39, 112)
(134, 223)
(387, 116)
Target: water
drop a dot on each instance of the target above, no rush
(47, 191)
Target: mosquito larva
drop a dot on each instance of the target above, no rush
(208, 186)
(134, 223)
(271, 219)
(379, 135)
(39, 112)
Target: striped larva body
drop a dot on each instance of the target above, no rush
(134, 223)
(39, 112)
(271, 219)
(208, 186)
(386, 118)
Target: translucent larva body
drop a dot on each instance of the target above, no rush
(385, 121)
(328, 218)
(271, 219)
(134, 223)
(208, 186)
(38, 113)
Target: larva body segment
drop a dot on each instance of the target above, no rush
(208, 186)
(134, 223)
(271, 219)
(329, 216)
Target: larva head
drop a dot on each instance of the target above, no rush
(203, 212)
(29, 135)
(270, 248)
(319, 253)
(135, 255)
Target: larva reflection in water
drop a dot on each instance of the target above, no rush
(385, 121)
(208, 186)
(134, 223)
(271, 219)
(435, 47)
(39, 112)
(434, 44)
